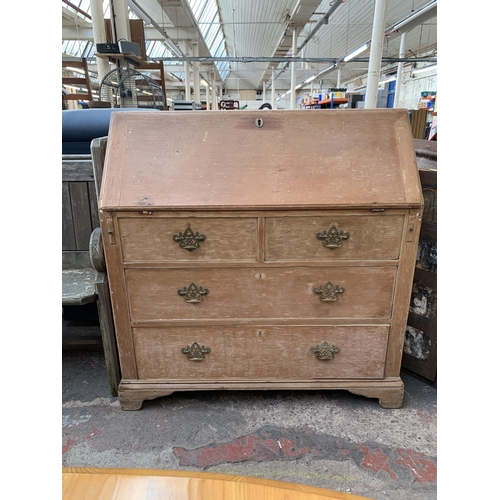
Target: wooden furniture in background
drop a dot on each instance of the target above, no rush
(420, 350)
(418, 123)
(268, 265)
(83, 81)
(84, 279)
(147, 484)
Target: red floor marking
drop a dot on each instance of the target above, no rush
(376, 461)
(68, 445)
(92, 434)
(249, 447)
(423, 470)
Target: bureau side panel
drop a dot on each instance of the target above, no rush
(402, 292)
(118, 291)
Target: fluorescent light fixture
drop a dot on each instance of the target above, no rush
(356, 52)
(310, 79)
(416, 18)
(288, 91)
(426, 68)
(390, 79)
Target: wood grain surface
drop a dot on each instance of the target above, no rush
(145, 484)
(370, 237)
(261, 352)
(353, 158)
(260, 195)
(260, 293)
(226, 239)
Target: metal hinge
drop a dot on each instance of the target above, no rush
(110, 230)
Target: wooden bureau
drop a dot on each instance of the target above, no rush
(260, 250)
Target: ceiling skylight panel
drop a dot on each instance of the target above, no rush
(208, 15)
(211, 35)
(197, 7)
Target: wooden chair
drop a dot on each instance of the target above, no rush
(84, 278)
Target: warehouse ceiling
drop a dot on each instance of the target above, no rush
(244, 41)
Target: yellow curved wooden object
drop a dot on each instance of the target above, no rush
(148, 484)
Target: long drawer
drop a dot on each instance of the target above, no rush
(333, 237)
(299, 292)
(245, 352)
(195, 239)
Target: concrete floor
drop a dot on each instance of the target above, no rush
(329, 439)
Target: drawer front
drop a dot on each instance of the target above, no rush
(365, 292)
(189, 239)
(335, 237)
(253, 353)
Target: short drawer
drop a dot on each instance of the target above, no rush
(333, 237)
(255, 293)
(197, 239)
(252, 353)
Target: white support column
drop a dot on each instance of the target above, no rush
(196, 74)
(399, 75)
(264, 92)
(99, 31)
(207, 97)
(273, 93)
(214, 92)
(338, 77)
(376, 48)
(120, 10)
(187, 77)
(293, 66)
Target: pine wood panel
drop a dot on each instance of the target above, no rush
(151, 239)
(267, 352)
(370, 237)
(356, 158)
(266, 197)
(148, 484)
(260, 293)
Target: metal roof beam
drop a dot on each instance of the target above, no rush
(299, 17)
(70, 32)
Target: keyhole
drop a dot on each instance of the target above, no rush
(259, 122)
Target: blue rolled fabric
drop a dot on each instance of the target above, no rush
(81, 126)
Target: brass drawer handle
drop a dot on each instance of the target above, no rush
(328, 292)
(189, 240)
(324, 351)
(195, 352)
(192, 293)
(332, 238)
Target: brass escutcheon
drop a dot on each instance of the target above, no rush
(192, 293)
(324, 351)
(328, 292)
(189, 240)
(195, 352)
(332, 238)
